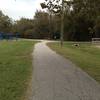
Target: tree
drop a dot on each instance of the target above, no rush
(57, 7)
(41, 24)
(53, 7)
(81, 19)
(22, 26)
(97, 27)
(5, 23)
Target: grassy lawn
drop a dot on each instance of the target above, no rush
(15, 68)
(86, 56)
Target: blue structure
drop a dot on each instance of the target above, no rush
(9, 36)
(17, 35)
(1, 36)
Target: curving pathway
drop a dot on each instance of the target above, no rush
(55, 78)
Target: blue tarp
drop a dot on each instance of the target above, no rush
(9, 36)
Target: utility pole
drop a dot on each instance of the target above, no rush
(50, 24)
(62, 24)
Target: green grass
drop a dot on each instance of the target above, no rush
(86, 56)
(15, 68)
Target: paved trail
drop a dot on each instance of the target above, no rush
(55, 78)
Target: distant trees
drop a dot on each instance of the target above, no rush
(41, 24)
(38, 27)
(97, 27)
(24, 27)
(53, 7)
(5, 23)
(81, 21)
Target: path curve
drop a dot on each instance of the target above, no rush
(55, 78)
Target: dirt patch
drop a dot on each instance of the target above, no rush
(98, 46)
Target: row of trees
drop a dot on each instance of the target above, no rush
(5, 23)
(81, 17)
(38, 27)
(81, 21)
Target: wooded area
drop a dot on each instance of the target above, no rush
(81, 21)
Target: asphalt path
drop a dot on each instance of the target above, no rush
(56, 78)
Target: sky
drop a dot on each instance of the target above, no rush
(16, 9)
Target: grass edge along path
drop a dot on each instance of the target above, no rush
(15, 68)
(86, 56)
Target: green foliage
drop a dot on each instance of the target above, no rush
(41, 23)
(97, 27)
(80, 19)
(33, 28)
(5, 23)
(22, 26)
(52, 6)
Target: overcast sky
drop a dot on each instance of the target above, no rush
(20, 8)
